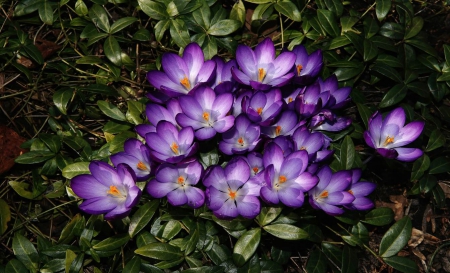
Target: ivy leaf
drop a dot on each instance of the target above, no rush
(395, 95)
(153, 9)
(437, 140)
(382, 8)
(121, 24)
(25, 252)
(113, 51)
(99, 17)
(328, 21)
(160, 251)
(396, 237)
(402, 264)
(111, 110)
(347, 153)
(288, 9)
(46, 12)
(246, 245)
(179, 32)
(224, 27)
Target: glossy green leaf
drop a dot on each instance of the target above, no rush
(396, 237)
(414, 28)
(365, 113)
(382, 8)
(25, 252)
(419, 167)
(224, 27)
(170, 263)
(53, 142)
(246, 245)
(112, 242)
(142, 217)
(288, 9)
(427, 183)
(33, 52)
(160, 29)
(440, 165)
(447, 54)
(444, 77)
(154, 9)
(80, 8)
(279, 255)
(317, 262)
(202, 16)
(335, 6)
(46, 12)
(72, 170)
(111, 110)
(160, 251)
(422, 45)
(392, 30)
(286, 231)
(179, 32)
(370, 27)
(113, 51)
(192, 243)
(76, 264)
(99, 17)
(349, 256)
(143, 35)
(328, 21)
(379, 216)
(333, 253)
(395, 95)
(347, 22)
(5, 216)
(437, 140)
(268, 215)
(402, 264)
(347, 154)
(121, 24)
(370, 50)
(209, 47)
(238, 12)
(15, 266)
(171, 229)
(172, 9)
(259, 1)
(133, 266)
(218, 253)
(339, 41)
(34, 157)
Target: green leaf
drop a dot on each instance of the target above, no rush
(328, 21)
(447, 54)
(179, 32)
(218, 253)
(61, 99)
(238, 12)
(422, 45)
(379, 217)
(133, 266)
(72, 170)
(170, 263)
(419, 167)
(143, 35)
(392, 30)
(268, 215)
(317, 262)
(427, 183)
(333, 253)
(142, 217)
(444, 77)
(46, 12)
(121, 24)
(365, 113)
(113, 51)
(224, 27)
(246, 245)
(81, 8)
(370, 27)
(25, 252)
(111, 110)
(415, 28)
(437, 140)
(171, 229)
(5, 216)
(259, 1)
(112, 242)
(382, 8)
(402, 264)
(286, 231)
(53, 142)
(347, 155)
(288, 9)
(160, 29)
(396, 237)
(34, 157)
(335, 6)
(135, 109)
(440, 165)
(395, 95)
(99, 17)
(370, 50)
(192, 243)
(15, 266)
(339, 41)
(94, 38)
(153, 9)
(160, 251)
(349, 257)
(202, 16)
(347, 22)
(209, 47)
(33, 52)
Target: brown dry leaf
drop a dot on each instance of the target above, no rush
(25, 62)
(397, 208)
(430, 239)
(445, 186)
(47, 48)
(419, 254)
(416, 238)
(10, 143)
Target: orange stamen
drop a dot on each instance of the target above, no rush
(185, 82)
(351, 192)
(388, 140)
(174, 148)
(241, 141)
(259, 110)
(302, 148)
(324, 194)
(290, 99)
(299, 69)
(278, 130)
(206, 116)
(282, 179)
(113, 190)
(261, 74)
(141, 166)
(255, 170)
(180, 180)
(231, 193)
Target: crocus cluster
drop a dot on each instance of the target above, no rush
(237, 134)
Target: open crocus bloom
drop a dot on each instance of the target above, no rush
(388, 135)
(107, 190)
(307, 67)
(241, 138)
(360, 190)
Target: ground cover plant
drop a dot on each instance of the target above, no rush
(224, 136)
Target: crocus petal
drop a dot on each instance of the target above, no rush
(339, 198)
(222, 104)
(388, 153)
(306, 181)
(159, 190)
(205, 133)
(362, 188)
(227, 210)
(408, 154)
(177, 197)
(86, 187)
(249, 207)
(362, 203)
(104, 173)
(269, 196)
(195, 196)
(98, 205)
(206, 72)
(291, 197)
(118, 212)
(331, 209)
(240, 76)
(246, 60)
(174, 67)
(397, 117)
(224, 124)
(158, 79)
(283, 63)
(264, 52)
(237, 170)
(369, 140)
(186, 121)
(409, 133)
(194, 59)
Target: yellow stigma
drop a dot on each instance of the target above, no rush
(282, 179)
(174, 148)
(255, 170)
(206, 116)
(141, 166)
(231, 193)
(302, 148)
(299, 69)
(388, 140)
(180, 180)
(259, 110)
(241, 141)
(290, 100)
(185, 82)
(113, 191)
(324, 194)
(351, 192)
(278, 130)
(261, 74)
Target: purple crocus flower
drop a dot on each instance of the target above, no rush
(177, 183)
(313, 143)
(155, 113)
(206, 113)
(360, 189)
(337, 97)
(327, 121)
(229, 194)
(306, 67)
(169, 145)
(331, 191)
(285, 177)
(285, 125)
(263, 107)
(224, 81)
(310, 101)
(241, 138)
(388, 135)
(137, 156)
(181, 74)
(260, 69)
(107, 190)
